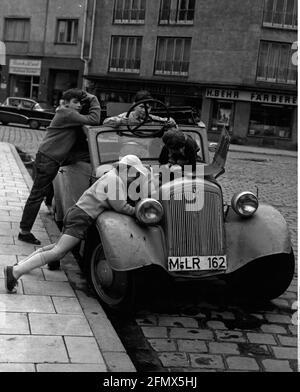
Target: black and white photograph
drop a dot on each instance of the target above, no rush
(148, 189)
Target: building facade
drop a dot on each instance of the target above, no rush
(233, 60)
(44, 41)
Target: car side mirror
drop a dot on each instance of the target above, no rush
(212, 147)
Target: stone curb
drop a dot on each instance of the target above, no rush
(261, 151)
(108, 341)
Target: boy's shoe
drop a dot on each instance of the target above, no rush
(10, 281)
(54, 265)
(30, 238)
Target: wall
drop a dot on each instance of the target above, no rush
(43, 16)
(225, 40)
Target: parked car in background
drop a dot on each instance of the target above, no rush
(25, 111)
(245, 242)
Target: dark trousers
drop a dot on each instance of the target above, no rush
(49, 197)
(46, 171)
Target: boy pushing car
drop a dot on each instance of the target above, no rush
(60, 137)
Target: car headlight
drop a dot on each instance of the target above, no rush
(244, 204)
(149, 211)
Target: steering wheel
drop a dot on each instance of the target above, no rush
(145, 103)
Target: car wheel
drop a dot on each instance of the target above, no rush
(115, 289)
(264, 279)
(34, 124)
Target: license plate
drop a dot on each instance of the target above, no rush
(197, 263)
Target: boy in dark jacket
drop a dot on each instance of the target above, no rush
(54, 149)
(179, 149)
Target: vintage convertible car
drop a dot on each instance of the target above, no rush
(245, 243)
(26, 112)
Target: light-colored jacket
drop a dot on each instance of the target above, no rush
(109, 192)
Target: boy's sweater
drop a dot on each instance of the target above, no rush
(108, 192)
(64, 129)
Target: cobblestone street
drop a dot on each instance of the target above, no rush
(27, 140)
(209, 330)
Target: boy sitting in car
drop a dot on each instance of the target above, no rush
(137, 116)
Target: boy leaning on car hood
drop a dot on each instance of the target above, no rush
(110, 192)
(54, 149)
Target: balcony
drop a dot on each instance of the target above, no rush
(124, 65)
(173, 68)
(129, 16)
(277, 75)
(184, 17)
(280, 20)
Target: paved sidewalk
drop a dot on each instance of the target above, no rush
(263, 150)
(52, 324)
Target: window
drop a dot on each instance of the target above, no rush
(275, 63)
(25, 86)
(129, 11)
(67, 31)
(125, 54)
(222, 116)
(177, 12)
(270, 121)
(17, 30)
(112, 145)
(280, 14)
(173, 56)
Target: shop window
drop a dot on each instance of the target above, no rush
(275, 63)
(222, 116)
(67, 31)
(177, 12)
(25, 86)
(280, 14)
(173, 56)
(270, 121)
(17, 29)
(129, 11)
(125, 54)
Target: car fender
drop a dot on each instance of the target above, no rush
(69, 184)
(43, 121)
(264, 234)
(11, 117)
(128, 245)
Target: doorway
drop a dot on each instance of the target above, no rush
(60, 81)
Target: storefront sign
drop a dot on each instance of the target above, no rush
(25, 67)
(251, 96)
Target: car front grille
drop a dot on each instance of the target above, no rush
(196, 233)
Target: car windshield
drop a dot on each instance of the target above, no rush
(113, 145)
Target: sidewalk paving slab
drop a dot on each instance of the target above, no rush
(32, 349)
(52, 324)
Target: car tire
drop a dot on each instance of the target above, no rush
(34, 124)
(116, 290)
(265, 278)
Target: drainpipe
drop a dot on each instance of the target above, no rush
(83, 42)
(87, 60)
(92, 31)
